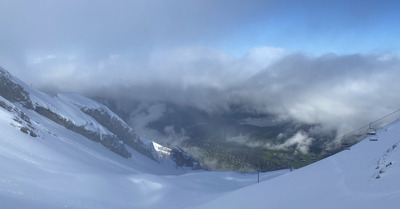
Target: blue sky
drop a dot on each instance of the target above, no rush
(129, 27)
(343, 27)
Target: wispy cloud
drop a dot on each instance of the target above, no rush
(144, 114)
(300, 141)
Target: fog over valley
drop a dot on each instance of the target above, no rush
(178, 72)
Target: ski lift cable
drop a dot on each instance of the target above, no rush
(385, 116)
(368, 125)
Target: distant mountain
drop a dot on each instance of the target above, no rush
(236, 139)
(81, 115)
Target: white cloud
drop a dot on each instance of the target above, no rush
(340, 92)
(143, 115)
(300, 141)
(40, 60)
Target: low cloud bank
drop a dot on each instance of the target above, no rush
(341, 92)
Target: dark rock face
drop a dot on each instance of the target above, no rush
(121, 130)
(26, 130)
(12, 91)
(15, 93)
(115, 145)
(127, 135)
(183, 159)
(20, 118)
(109, 141)
(5, 106)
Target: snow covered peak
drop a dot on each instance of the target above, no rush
(84, 102)
(163, 152)
(79, 114)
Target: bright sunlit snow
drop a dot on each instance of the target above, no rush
(364, 177)
(62, 169)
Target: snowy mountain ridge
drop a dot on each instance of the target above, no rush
(48, 163)
(83, 116)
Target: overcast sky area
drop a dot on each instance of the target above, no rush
(335, 62)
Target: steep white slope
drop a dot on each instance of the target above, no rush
(84, 116)
(55, 104)
(62, 169)
(104, 114)
(367, 176)
(85, 102)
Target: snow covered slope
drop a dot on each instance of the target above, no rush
(367, 176)
(83, 116)
(47, 161)
(62, 169)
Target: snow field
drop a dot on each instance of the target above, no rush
(62, 169)
(345, 180)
